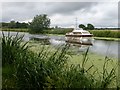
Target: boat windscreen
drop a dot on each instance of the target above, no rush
(85, 32)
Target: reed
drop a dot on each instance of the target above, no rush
(49, 68)
(12, 46)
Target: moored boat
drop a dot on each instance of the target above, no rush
(79, 36)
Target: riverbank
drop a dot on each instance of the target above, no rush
(107, 38)
(108, 35)
(96, 38)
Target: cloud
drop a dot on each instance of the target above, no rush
(63, 13)
(69, 7)
(29, 8)
(100, 15)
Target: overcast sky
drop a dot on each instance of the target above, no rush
(63, 14)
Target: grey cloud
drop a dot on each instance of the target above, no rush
(71, 7)
(24, 10)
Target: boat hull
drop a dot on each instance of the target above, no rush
(79, 40)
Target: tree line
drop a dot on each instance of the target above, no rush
(13, 24)
(88, 27)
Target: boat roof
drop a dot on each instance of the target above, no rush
(79, 30)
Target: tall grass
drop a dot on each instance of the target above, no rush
(11, 48)
(49, 68)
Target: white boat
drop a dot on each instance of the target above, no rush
(79, 36)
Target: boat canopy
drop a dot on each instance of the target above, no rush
(80, 30)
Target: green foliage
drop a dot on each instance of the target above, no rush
(50, 69)
(39, 23)
(37, 71)
(8, 79)
(107, 77)
(105, 33)
(4, 25)
(58, 31)
(11, 48)
(21, 25)
(82, 26)
(15, 29)
(90, 27)
(13, 24)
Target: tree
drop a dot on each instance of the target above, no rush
(21, 25)
(24, 25)
(18, 25)
(39, 23)
(4, 25)
(90, 27)
(82, 26)
(12, 24)
(56, 27)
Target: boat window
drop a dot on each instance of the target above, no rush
(77, 32)
(85, 32)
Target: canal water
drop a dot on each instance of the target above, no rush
(106, 48)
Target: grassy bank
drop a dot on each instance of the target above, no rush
(107, 38)
(58, 31)
(106, 33)
(14, 30)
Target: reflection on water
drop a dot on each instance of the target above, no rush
(43, 41)
(107, 48)
(56, 42)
